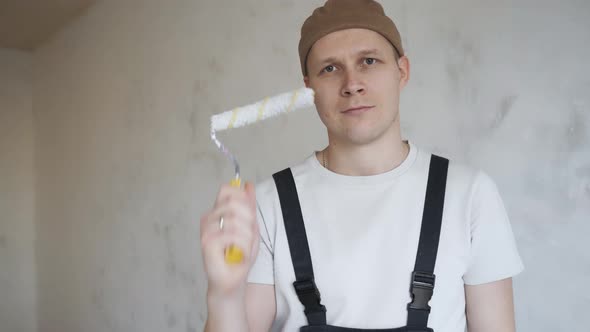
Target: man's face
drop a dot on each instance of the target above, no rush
(357, 83)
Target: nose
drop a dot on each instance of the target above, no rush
(353, 85)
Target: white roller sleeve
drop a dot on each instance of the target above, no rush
(264, 109)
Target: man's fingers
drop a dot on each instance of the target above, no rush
(228, 193)
(219, 242)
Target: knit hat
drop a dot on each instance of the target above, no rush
(337, 15)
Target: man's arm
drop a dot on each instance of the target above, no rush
(254, 313)
(260, 307)
(490, 307)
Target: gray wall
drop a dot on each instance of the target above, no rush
(122, 100)
(18, 302)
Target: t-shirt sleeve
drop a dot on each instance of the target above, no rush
(262, 271)
(494, 255)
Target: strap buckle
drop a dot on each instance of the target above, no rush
(421, 289)
(309, 295)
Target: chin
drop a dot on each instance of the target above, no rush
(357, 137)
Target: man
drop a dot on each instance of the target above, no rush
(372, 232)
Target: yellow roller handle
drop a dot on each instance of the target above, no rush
(233, 254)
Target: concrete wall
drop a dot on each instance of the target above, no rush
(125, 166)
(18, 300)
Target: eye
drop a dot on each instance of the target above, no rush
(329, 69)
(370, 61)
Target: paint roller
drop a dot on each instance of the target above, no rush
(246, 115)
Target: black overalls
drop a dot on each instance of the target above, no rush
(422, 282)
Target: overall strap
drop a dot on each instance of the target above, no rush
(422, 284)
(304, 284)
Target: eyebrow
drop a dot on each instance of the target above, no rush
(365, 52)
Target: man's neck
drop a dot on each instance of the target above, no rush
(379, 157)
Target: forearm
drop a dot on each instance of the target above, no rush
(226, 315)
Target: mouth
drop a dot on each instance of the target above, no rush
(357, 110)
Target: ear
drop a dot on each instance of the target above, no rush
(306, 81)
(404, 69)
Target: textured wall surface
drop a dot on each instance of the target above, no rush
(125, 167)
(18, 308)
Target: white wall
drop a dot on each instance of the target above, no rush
(125, 166)
(18, 300)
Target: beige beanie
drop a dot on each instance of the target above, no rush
(337, 15)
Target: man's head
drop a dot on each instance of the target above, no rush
(351, 55)
(337, 15)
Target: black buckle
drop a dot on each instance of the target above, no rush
(309, 295)
(421, 289)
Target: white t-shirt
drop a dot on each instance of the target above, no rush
(363, 236)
